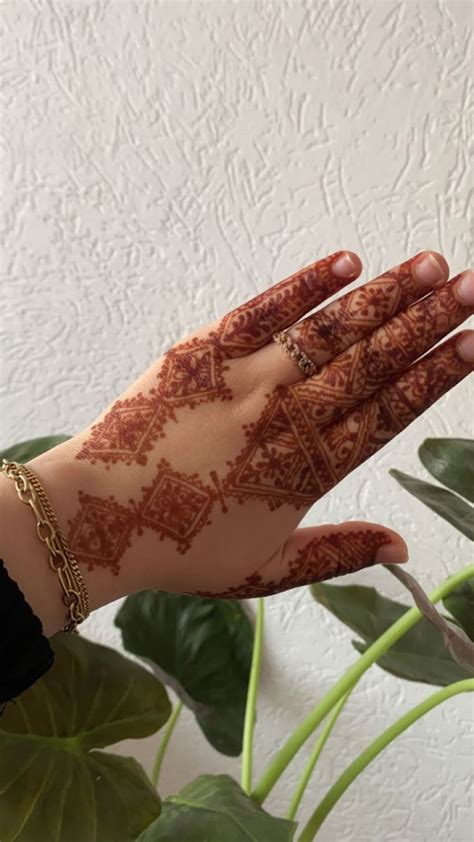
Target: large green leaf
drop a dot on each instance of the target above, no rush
(419, 655)
(446, 504)
(53, 784)
(26, 450)
(451, 461)
(202, 648)
(460, 603)
(214, 808)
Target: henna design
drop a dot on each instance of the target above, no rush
(277, 463)
(364, 367)
(354, 315)
(127, 433)
(100, 532)
(324, 557)
(363, 431)
(176, 505)
(253, 324)
(192, 373)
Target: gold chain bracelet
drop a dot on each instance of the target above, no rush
(61, 559)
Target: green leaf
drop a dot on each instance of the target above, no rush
(460, 603)
(202, 648)
(451, 461)
(419, 655)
(214, 808)
(53, 783)
(26, 450)
(446, 504)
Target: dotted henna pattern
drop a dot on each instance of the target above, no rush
(100, 532)
(193, 372)
(176, 505)
(333, 554)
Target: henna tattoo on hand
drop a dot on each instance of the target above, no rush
(193, 371)
(101, 532)
(176, 505)
(325, 557)
(356, 314)
(360, 371)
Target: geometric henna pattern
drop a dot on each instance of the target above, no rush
(361, 370)
(333, 554)
(100, 532)
(176, 505)
(278, 462)
(127, 433)
(192, 373)
(356, 314)
(289, 458)
(252, 325)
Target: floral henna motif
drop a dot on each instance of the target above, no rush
(348, 319)
(176, 505)
(192, 373)
(129, 431)
(363, 431)
(325, 557)
(361, 370)
(101, 532)
(278, 461)
(252, 325)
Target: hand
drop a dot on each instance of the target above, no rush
(196, 478)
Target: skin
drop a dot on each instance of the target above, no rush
(195, 479)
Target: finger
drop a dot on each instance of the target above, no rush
(253, 324)
(363, 369)
(364, 430)
(348, 319)
(322, 552)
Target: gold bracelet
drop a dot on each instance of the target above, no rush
(61, 559)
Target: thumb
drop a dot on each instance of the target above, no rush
(323, 552)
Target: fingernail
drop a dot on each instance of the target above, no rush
(465, 346)
(391, 554)
(429, 271)
(465, 288)
(345, 266)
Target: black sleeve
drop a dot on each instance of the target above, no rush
(25, 654)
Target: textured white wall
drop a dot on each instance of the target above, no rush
(160, 163)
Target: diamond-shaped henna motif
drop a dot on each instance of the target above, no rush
(176, 505)
(191, 374)
(100, 532)
(282, 461)
(127, 432)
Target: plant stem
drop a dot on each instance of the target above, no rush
(309, 768)
(170, 725)
(249, 725)
(346, 683)
(378, 745)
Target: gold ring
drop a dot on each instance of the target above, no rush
(290, 347)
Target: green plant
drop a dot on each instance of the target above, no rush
(206, 652)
